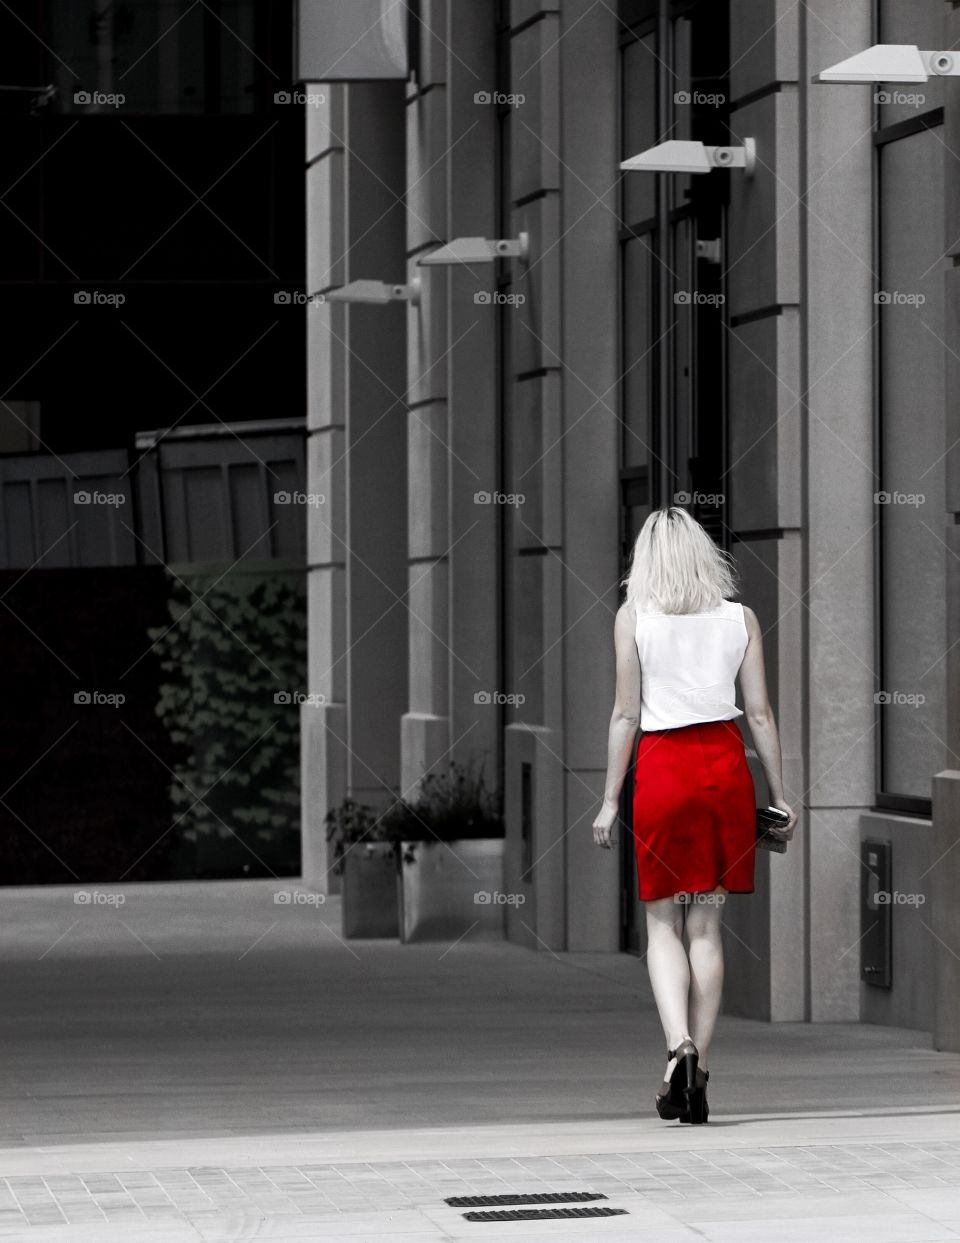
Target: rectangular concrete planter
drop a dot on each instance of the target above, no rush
(452, 890)
(370, 897)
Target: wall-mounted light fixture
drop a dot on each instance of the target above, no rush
(692, 157)
(378, 293)
(710, 250)
(478, 250)
(892, 62)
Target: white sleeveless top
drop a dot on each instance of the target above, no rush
(688, 665)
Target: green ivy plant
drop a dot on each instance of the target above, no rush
(225, 658)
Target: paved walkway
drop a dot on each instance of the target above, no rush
(200, 1062)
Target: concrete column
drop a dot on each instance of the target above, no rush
(944, 876)
(534, 429)
(452, 379)
(583, 623)
(425, 723)
(472, 546)
(839, 319)
(323, 729)
(356, 449)
(765, 933)
(563, 457)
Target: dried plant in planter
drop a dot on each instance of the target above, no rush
(350, 824)
(449, 806)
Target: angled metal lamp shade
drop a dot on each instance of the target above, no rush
(692, 157)
(376, 293)
(892, 62)
(478, 250)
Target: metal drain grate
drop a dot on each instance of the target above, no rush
(542, 1214)
(539, 1197)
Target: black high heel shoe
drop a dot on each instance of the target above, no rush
(697, 1110)
(673, 1099)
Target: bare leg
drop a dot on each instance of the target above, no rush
(669, 970)
(706, 969)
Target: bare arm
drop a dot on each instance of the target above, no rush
(624, 722)
(759, 714)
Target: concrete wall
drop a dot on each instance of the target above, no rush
(942, 875)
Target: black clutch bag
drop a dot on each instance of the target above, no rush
(769, 820)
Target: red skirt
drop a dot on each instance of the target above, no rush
(694, 811)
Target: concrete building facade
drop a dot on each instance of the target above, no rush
(775, 350)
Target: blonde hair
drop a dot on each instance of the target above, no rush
(676, 566)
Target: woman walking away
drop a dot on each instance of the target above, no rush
(680, 645)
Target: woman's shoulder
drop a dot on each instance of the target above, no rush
(626, 618)
(750, 620)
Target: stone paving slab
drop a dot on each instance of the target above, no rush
(890, 1189)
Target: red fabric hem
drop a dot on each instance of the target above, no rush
(673, 893)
